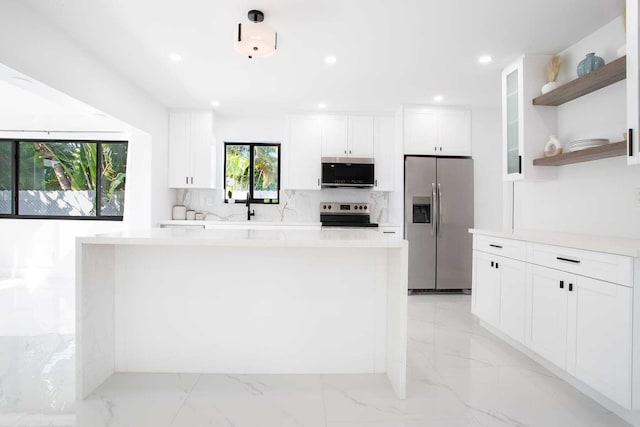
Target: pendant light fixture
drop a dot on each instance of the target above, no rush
(256, 39)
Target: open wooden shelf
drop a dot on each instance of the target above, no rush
(608, 74)
(614, 149)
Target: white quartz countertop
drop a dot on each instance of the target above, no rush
(253, 223)
(613, 245)
(356, 238)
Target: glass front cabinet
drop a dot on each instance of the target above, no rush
(525, 127)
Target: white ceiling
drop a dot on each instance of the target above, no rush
(28, 105)
(389, 52)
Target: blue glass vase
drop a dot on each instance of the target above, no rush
(590, 63)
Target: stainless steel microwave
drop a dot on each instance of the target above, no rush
(350, 172)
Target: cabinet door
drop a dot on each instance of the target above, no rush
(420, 131)
(633, 77)
(179, 149)
(513, 301)
(202, 151)
(384, 153)
(361, 132)
(549, 314)
(454, 132)
(303, 148)
(335, 132)
(486, 288)
(603, 337)
(511, 121)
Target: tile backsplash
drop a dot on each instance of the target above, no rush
(295, 205)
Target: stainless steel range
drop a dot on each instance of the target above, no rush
(345, 215)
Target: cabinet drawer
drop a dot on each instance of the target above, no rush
(509, 248)
(599, 265)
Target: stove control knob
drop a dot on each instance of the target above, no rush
(329, 207)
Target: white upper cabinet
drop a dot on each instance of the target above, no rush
(633, 89)
(361, 140)
(525, 127)
(384, 153)
(335, 134)
(454, 132)
(191, 150)
(302, 150)
(439, 132)
(347, 136)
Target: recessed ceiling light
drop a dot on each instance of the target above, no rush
(322, 106)
(175, 57)
(438, 98)
(215, 104)
(330, 59)
(485, 59)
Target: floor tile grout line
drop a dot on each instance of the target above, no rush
(324, 404)
(184, 400)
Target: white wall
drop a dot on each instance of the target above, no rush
(32, 46)
(486, 146)
(593, 197)
(40, 253)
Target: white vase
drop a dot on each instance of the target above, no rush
(622, 51)
(549, 87)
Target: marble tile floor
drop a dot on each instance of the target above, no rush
(459, 375)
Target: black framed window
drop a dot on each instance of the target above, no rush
(251, 169)
(61, 179)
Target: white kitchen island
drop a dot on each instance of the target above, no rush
(241, 301)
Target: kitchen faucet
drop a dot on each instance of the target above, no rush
(250, 213)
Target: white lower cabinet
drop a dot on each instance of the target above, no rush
(486, 289)
(581, 324)
(549, 315)
(513, 298)
(499, 292)
(600, 318)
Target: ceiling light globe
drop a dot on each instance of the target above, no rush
(485, 59)
(256, 39)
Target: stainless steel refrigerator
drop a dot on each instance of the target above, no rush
(438, 195)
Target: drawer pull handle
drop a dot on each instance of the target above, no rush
(570, 287)
(493, 264)
(388, 232)
(561, 284)
(495, 246)
(575, 261)
(497, 265)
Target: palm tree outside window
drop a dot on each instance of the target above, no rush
(253, 169)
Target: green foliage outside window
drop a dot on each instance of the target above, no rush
(61, 178)
(254, 169)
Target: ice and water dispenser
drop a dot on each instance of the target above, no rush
(421, 210)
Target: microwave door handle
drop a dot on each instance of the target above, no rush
(440, 220)
(433, 209)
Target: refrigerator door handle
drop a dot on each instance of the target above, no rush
(439, 208)
(433, 208)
